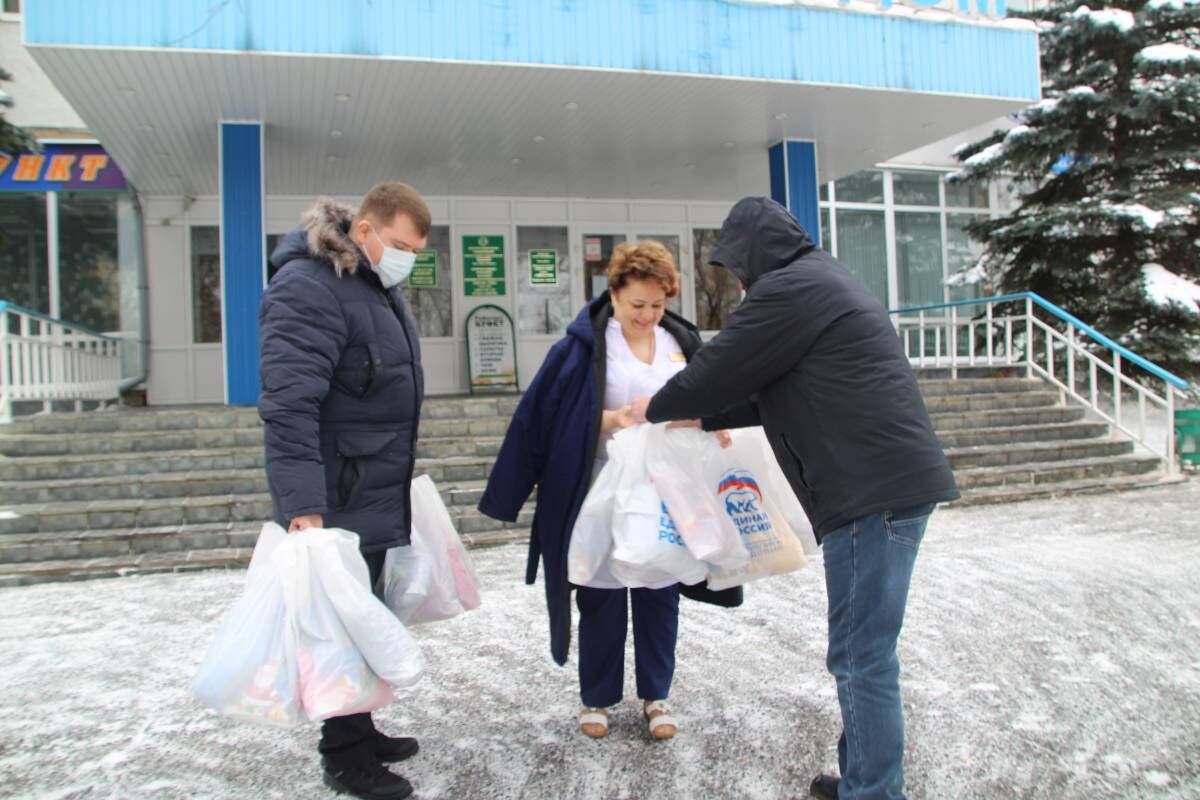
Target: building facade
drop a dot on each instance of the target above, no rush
(548, 132)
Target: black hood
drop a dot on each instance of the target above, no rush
(759, 236)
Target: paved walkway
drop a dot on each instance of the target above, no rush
(1052, 650)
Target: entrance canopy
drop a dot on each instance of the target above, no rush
(623, 98)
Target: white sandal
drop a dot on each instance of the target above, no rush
(593, 722)
(662, 724)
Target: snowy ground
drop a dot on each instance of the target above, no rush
(1052, 650)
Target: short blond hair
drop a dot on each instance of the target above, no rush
(385, 200)
(643, 260)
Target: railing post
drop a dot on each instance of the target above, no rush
(1117, 388)
(953, 344)
(1172, 466)
(1071, 346)
(1028, 337)
(990, 334)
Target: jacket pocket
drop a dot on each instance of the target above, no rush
(355, 373)
(356, 450)
(799, 463)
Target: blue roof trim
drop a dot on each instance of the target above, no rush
(692, 37)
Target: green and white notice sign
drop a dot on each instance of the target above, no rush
(543, 267)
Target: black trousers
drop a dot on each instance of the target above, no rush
(349, 742)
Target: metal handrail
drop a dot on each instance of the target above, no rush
(47, 361)
(1095, 335)
(1011, 339)
(7, 306)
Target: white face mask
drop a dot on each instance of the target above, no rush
(394, 265)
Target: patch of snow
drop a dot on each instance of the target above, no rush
(1168, 53)
(1147, 216)
(1045, 106)
(1114, 17)
(1164, 288)
(1020, 130)
(968, 277)
(1156, 778)
(1081, 91)
(986, 156)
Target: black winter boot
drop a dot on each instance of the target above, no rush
(375, 782)
(390, 749)
(825, 787)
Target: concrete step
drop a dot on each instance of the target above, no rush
(1012, 494)
(457, 442)
(216, 510)
(966, 458)
(951, 403)
(98, 465)
(197, 483)
(1062, 472)
(943, 387)
(180, 560)
(977, 437)
(175, 418)
(1006, 418)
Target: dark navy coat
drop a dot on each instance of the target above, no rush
(551, 444)
(341, 385)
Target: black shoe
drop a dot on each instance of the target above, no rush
(825, 787)
(390, 749)
(372, 783)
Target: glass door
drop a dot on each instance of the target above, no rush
(597, 251)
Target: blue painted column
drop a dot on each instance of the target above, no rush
(794, 182)
(243, 262)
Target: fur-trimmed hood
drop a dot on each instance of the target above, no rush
(322, 235)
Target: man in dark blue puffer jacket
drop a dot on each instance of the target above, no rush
(341, 398)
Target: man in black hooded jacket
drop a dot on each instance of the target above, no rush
(812, 356)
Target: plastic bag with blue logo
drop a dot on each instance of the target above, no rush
(740, 479)
(781, 490)
(647, 548)
(677, 461)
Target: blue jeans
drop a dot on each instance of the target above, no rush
(603, 627)
(868, 567)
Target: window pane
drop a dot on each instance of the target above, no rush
(919, 258)
(915, 188)
(88, 265)
(206, 284)
(966, 194)
(861, 187)
(826, 242)
(962, 253)
(862, 246)
(543, 308)
(823, 192)
(24, 270)
(597, 250)
(12, 6)
(717, 290)
(433, 307)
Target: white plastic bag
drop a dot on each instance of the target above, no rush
(384, 643)
(781, 490)
(774, 549)
(591, 537)
(647, 547)
(432, 579)
(250, 671)
(680, 462)
(306, 635)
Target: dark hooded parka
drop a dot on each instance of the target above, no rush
(812, 356)
(551, 444)
(341, 385)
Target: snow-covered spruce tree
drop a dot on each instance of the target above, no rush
(1109, 225)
